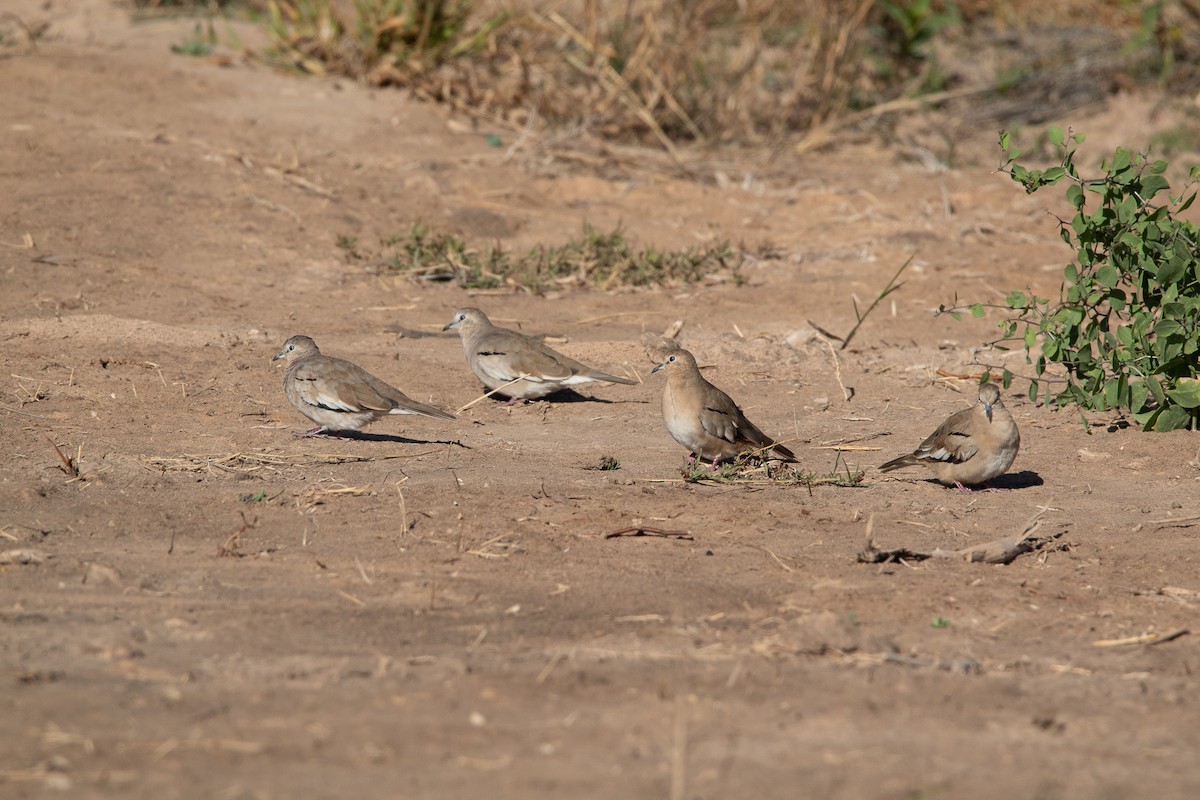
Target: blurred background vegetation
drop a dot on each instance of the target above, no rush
(799, 73)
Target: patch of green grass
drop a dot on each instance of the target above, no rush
(939, 623)
(1175, 141)
(605, 261)
(607, 464)
(199, 44)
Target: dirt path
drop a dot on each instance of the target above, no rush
(435, 612)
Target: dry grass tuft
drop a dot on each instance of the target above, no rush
(251, 463)
(605, 261)
(592, 83)
(755, 470)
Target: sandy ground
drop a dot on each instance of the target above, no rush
(224, 610)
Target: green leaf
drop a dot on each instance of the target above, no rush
(1033, 390)
(1138, 394)
(1167, 327)
(1171, 271)
(1055, 135)
(1186, 393)
(1172, 418)
(1016, 300)
(1004, 139)
(1111, 394)
(977, 310)
(1075, 195)
(1152, 185)
(1053, 175)
(1107, 276)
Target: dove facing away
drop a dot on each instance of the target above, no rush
(339, 395)
(703, 418)
(515, 365)
(972, 447)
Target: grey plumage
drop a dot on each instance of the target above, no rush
(499, 356)
(339, 395)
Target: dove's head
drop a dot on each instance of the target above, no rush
(677, 361)
(296, 348)
(989, 398)
(466, 320)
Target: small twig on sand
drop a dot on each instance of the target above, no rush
(679, 751)
(837, 366)
(489, 394)
(644, 531)
(999, 551)
(1145, 638)
(862, 316)
(230, 548)
(69, 465)
(772, 554)
(891, 287)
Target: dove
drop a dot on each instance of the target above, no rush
(337, 394)
(971, 447)
(703, 418)
(515, 365)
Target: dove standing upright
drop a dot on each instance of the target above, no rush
(515, 365)
(971, 447)
(703, 418)
(337, 394)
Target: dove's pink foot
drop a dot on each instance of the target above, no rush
(308, 434)
(968, 490)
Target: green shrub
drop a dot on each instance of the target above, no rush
(1126, 325)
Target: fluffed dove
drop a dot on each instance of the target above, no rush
(339, 395)
(499, 356)
(971, 447)
(704, 419)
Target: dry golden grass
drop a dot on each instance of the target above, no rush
(573, 77)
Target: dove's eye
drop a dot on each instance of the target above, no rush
(671, 359)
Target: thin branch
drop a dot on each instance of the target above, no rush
(891, 287)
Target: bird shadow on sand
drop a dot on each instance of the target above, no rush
(1017, 480)
(363, 436)
(563, 396)
(1013, 480)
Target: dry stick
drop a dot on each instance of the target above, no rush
(679, 755)
(771, 553)
(22, 413)
(403, 508)
(1145, 638)
(837, 367)
(821, 134)
(644, 531)
(998, 551)
(70, 466)
(846, 447)
(891, 287)
(489, 394)
(1180, 522)
(626, 93)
